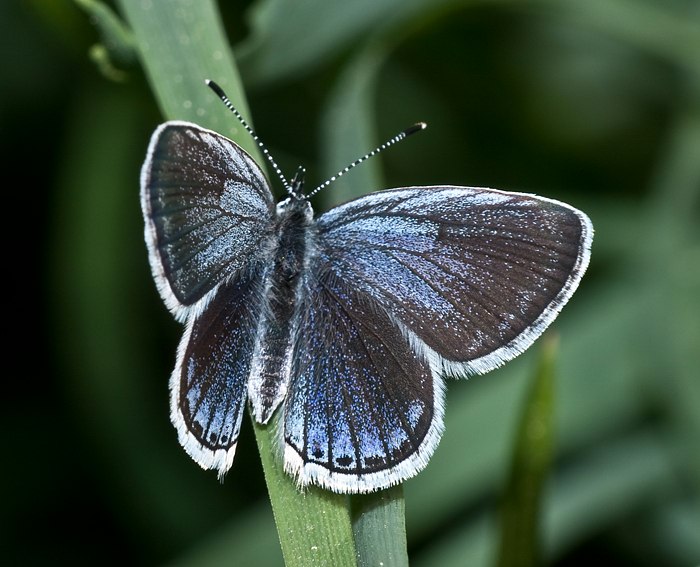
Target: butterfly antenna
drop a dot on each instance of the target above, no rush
(222, 95)
(400, 136)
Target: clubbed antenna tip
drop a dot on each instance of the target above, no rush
(222, 95)
(415, 128)
(400, 136)
(216, 88)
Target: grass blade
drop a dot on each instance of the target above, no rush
(181, 43)
(520, 545)
(379, 528)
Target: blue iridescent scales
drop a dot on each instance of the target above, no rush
(345, 324)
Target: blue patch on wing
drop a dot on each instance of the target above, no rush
(361, 400)
(209, 384)
(207, 206)
(467, 270)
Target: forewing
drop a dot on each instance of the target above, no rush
(207, 207)
(363, 411)
(208, 385)
(473, 275)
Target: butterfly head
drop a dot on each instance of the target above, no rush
(296, 204)
(296, 187)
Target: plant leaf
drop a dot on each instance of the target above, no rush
(531, 459)
(181, 43)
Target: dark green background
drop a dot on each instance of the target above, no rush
(596, 103)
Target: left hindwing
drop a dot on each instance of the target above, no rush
(472, 275)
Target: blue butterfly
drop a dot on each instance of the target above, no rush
(345, 323)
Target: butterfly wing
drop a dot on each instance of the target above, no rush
(208, 213)
(208, 385)
(363, 411)
(207, 208)
(473, 275)
(407, 285)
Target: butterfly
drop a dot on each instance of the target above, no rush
(345, 323)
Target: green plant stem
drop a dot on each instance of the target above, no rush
(180, 44)
(520, 516)
(379, 528)
(314, 526)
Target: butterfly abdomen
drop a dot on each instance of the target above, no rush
(282, 297)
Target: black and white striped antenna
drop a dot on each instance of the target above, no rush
(292, 187)
(222, 95)
(400, 136)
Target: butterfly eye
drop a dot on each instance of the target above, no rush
(283, 206)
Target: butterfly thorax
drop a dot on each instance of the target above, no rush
(282, 298)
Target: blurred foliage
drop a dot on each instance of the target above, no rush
(596, 103)
(521, 515)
